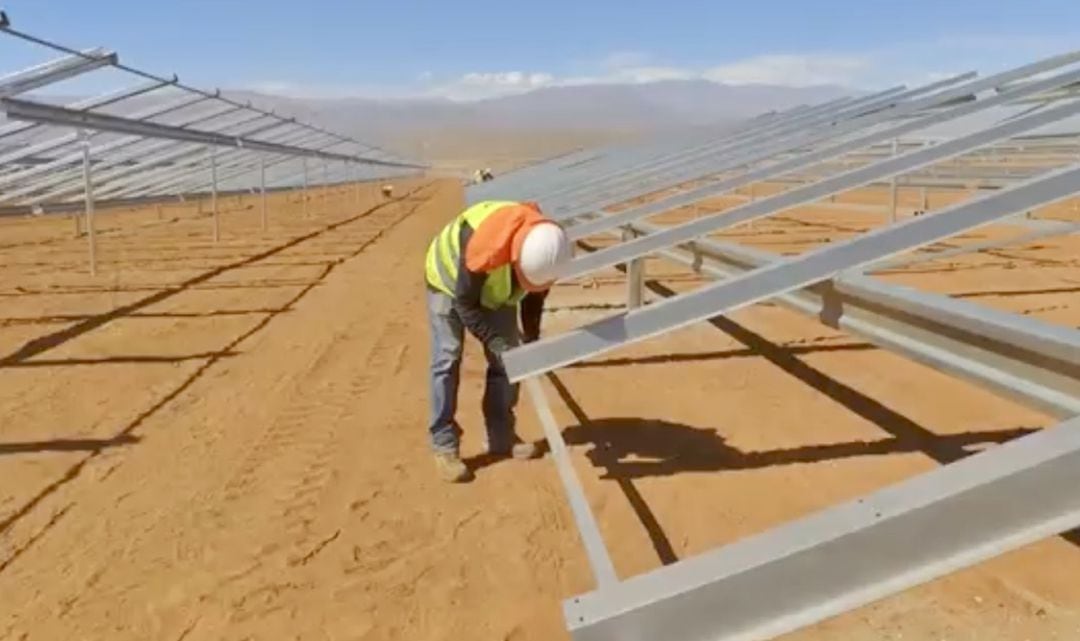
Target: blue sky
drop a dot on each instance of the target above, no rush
(476, 49)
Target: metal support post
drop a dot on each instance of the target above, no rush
(305, 194)
(88, 185)
(262, 189)
(214, 193)
(893, 186)
(635, 277)
(356, 183)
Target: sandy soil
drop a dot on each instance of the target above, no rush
(226, 441)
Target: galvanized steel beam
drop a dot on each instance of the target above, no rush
(55, 71)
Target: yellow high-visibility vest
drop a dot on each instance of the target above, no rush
(444, 254)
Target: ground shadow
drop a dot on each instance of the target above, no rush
(1008, 293)
(58, 319)
(121, 359)
(68, 445)
(478, 462)
(632, 448)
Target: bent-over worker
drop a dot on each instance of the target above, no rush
(491, 260)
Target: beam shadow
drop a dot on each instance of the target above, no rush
(75, 470)
(819, 224)
(133, 359)
(42, 344)
(215, 313)
(907, 270)
(68, 445)
(1010, 293)
(670, 448)
(132, 289)
(70, 318)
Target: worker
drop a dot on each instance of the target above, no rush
(387, 190)
(492, 260)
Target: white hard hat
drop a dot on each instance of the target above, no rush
(543, 251)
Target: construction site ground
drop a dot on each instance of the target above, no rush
(227, 440)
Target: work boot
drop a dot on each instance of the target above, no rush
(519, 451)
(451, 468)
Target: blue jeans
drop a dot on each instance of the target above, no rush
(500, 396)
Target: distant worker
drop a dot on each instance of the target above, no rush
(478, 176)
(491, 260)
(387, 191)
(488, 175)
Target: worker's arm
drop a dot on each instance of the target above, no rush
(532, 309)
(469, 287)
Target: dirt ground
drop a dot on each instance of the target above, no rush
(227, 440)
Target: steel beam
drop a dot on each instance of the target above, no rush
(262, 192)
(721, 298)
(88, 186)
(72, 139)
(55, 71)
(135, 161)
(850, 555)
(13, 128)
(214, 192)
(108, 147)
(175, 166)
(184, 182)
(1064, 229)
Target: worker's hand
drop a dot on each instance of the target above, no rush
(497, 346)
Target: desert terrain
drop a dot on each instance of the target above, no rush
(227, 440)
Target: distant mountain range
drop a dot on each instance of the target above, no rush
(638, 107)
